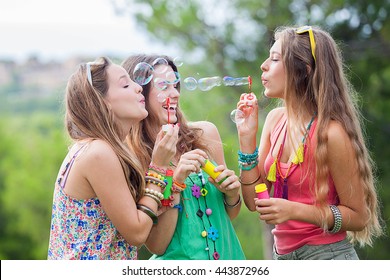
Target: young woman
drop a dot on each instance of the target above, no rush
(311, 154)
(102, 207)
(204, 230)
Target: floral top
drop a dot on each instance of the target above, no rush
(81, 230)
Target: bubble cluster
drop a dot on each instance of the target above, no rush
(207, 83)
(144, 73)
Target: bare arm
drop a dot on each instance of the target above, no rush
(247, 140)
(161, 234)
(103, 171)
(231, 185)
(343, 167)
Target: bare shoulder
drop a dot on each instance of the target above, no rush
(98, 152)
(209, 129)
(338, 139)
(336, 132)
(273, 117)
(276, 114)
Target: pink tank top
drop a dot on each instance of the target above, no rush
(291, 235)
(81, 230)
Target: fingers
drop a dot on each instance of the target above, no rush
(196, 157)
(227, 182)
(189, 162)
(165, 146)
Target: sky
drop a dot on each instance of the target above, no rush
(58, 29)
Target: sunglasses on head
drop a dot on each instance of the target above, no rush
(309, 30)
(89, 73)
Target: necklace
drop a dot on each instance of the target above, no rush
(209, 232)
(275, 173)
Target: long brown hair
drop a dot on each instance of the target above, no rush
(321, 87)
(88, 116)
(142, 136)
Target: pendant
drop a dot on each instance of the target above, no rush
(277, 187)
(285, 189)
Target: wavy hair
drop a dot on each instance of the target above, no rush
(142, 136)
(88, 116)
(321, 87)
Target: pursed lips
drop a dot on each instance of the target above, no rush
(263, 80)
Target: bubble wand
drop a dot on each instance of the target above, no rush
(168, 198)
(165, 127)
(168, 108)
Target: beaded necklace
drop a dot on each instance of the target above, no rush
(211, 233)
(275, 173)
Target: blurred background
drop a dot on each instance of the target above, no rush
(42, 42)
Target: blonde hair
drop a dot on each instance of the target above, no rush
(321, 87)
(88, 116)
(142, 136)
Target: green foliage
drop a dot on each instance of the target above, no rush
(32, 150)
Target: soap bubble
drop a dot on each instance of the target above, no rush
(163, 63)
(230, 81)
(172, 77)
(190, 83)
(237, 116)
(206, 84)
(162, 97)
(178, 61)
(160, 83)
(143, 73)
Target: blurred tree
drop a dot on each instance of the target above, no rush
(232, 38)
(30, 154)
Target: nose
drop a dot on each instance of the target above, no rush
(173, 91)
(138, 88)
(263, 66)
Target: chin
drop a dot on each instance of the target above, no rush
(172, 119)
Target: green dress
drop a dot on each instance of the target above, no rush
(187, 243)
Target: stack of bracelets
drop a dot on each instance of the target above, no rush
(247, 162)
(163, 178)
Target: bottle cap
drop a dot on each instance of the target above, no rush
(261, 191)
(260, 188)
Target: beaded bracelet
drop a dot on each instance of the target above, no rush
(156, 182)
(234, 205)
(158, 194)
(148, 212)
(337, 219)
(176, 189)
(155, 198)
(181, 186)
(155, 175)
(248, 167)
(248, 157)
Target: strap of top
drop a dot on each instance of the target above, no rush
(65, 173)
(279, 128)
